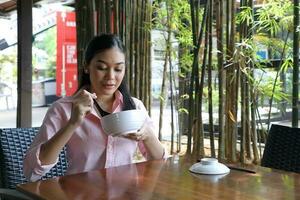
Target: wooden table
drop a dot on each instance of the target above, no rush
(167, 180)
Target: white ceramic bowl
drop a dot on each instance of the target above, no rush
(211, 178)
(124, 122)
(209, 166)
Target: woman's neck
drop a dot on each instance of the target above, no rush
(106, 102)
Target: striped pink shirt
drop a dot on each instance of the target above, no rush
(89, 148)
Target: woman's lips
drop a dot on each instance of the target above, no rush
(109, 86)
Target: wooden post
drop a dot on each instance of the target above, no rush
(24, 11)
(296, 66)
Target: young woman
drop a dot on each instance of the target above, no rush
(75, 121)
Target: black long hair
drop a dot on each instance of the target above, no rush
(96, 45)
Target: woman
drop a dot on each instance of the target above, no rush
(75, 121)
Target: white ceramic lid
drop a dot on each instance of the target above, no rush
(209, 166)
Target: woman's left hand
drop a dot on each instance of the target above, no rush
(142, 134)
(152, 144)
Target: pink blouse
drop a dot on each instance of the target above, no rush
(89, 148)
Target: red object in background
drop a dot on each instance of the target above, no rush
(66, 55)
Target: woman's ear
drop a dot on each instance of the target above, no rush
(85, 68)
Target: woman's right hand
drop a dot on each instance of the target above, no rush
(81, 106)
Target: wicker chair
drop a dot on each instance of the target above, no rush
(282, 149)
(13, 144)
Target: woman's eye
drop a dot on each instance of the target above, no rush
(118, 69)
(101, 67)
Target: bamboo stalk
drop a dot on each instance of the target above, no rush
(221, 113)
(209, 83)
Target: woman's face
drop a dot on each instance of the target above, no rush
(106, 71)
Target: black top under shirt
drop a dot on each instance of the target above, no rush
(101, 111)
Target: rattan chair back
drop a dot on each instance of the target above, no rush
(13, 145)
(282, 149)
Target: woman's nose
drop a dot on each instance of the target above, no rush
(110, 74)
